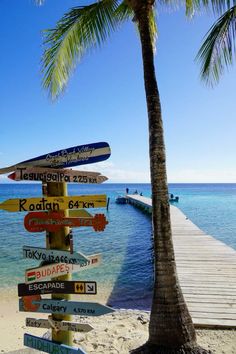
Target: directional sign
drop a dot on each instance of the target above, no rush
(66, 307)
(56, 175)
(58, 325)
(58, 287)
(79, 213)
(54, 221)
(55, 203)
(54, 256)
(49, 346)
(58, 269)
(74, 156)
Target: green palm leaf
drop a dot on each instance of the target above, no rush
(218, 49)
(79, 30)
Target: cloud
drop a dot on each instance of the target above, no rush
(202, 176)
(117, 174)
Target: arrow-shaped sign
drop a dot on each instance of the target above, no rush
(55, 203)
(58, 325)
(58, 287)
(55, 270)
(74, 156)
(54, 221)
(56, 175)
(49, 346)
(54, 256)
(66, 307)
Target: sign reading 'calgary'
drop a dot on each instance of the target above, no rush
(74, 156)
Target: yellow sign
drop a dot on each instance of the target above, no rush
(79, 213)
(55, 203)
(80, 288)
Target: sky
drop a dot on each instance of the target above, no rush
(105, 98)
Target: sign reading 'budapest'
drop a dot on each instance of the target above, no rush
(74, 156)
(54, 221)
(55, 203)
(58, 269)
(58, 287)
(55, 175)
(48, 346)
(54, 256)
(58, 325)
(66, 307)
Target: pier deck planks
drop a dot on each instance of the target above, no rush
(206, 269)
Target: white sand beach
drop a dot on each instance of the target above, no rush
(114, 333)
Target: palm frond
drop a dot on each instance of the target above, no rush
(124, 11)
(79, 30)
(217, 6)
(153, 28)
(218, 49)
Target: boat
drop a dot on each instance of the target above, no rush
(173, 199)
(121, 199)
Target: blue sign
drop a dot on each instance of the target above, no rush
(66, 307)
(48, 346)
(74, 156)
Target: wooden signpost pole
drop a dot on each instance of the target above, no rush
(60, 240)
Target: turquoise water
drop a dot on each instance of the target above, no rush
(126, 242)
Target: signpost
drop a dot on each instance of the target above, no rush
(56, 175)
(53, 221)
(58, 258)
(54, 256)
(66, 307)
(58, 287)
(74, 156)
(55, 270)
(54, 203)
(58, 325)
(48, 346)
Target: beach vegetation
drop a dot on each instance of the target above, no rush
(81, 29)
(217, 51)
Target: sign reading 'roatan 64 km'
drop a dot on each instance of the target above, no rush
(54, 221)
(74, 156)
(55, 203)
(56, 175)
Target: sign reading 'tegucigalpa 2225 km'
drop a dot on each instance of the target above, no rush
(74, 156)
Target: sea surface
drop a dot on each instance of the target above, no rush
(125, 244)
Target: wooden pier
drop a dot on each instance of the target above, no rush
(206, 269)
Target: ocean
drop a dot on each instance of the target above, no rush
(125, 244)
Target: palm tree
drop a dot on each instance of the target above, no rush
(218, 48)
(171, 329)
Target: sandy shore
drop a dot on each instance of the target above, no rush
(114, 333)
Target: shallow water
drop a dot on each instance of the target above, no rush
(126, 242)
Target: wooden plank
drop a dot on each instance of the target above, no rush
(56, 175)
(65, 307)
(54, 221)
(58, 269)
(54, 256)
(49, 346)
(73, 156)
(58, 287)
(54, 203)
(58, 325)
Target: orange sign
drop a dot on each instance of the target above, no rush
(53, 221)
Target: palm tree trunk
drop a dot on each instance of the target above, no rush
(171, 329)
